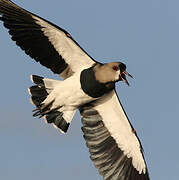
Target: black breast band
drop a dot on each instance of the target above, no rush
(91, 86)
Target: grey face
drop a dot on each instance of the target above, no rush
(111, 72)
(100, 79)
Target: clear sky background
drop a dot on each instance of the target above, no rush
(145, 36)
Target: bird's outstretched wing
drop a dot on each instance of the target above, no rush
(113, 144)
(43, 41)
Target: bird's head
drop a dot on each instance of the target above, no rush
(111, 72)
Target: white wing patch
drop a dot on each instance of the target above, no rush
(117, 123)
(74, 56)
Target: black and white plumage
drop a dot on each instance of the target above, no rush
(87, 85)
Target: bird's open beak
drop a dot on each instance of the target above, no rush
(123, 77)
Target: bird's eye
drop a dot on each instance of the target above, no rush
(115, 68)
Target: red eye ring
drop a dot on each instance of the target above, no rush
(115, 68)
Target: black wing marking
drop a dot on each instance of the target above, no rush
(43, 41)
(112, 162)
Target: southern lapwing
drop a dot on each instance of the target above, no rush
(86, 85)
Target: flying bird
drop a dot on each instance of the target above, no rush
(87, 85)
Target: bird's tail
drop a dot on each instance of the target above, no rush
(41, 90)
(39, 93)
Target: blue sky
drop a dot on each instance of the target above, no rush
(142, 34)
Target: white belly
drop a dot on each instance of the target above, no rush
(68, 94)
